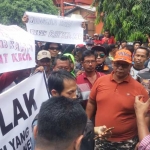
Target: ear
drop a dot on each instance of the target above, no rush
(78, 142)
(35, 131)
(54, 92)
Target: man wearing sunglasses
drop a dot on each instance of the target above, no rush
(54, 49)
(112, 100)
(101, 56)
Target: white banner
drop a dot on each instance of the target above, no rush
(50, 28)
(18, 107)
(17, 49)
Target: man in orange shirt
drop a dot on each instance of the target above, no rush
(112, 100)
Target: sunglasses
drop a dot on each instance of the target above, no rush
(54, 48)
(123, 65)
(100, 55)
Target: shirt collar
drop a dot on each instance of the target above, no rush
(125, 80)
(85, 77)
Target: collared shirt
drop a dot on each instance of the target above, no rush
(145, 143)
(115, 105)
(85, 85)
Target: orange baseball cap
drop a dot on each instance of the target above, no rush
(123, 55)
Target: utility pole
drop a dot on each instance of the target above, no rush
(62, 8)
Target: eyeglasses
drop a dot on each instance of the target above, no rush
(123, 65)
(89, 62)
(100, 55)
(54, 48)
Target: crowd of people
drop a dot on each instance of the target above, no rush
(99, 95)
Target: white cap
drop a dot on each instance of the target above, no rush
(43, 54)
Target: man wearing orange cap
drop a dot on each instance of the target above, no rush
(112, 100)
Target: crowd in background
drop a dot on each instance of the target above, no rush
(108, 78)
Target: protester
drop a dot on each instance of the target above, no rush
(62, 62)
(54, 49)
(141, 110)
(80, 48)
(112, 100)
(38, 46)
(107, 39)
(89, 44)
(43, 59)
(136, 44)
(143, 77)
(61, 122)
(7, 80)
(87, 78)
(130, 48)
(72, 63)
(62, 83)
(123, 44)
(101, 56)
(96, 39)
(141, 54)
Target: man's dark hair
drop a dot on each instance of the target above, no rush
(130, 48)
(62, 58)
(87, 53)
(144, 48)
(137, 42)
(123, 41)
(56, 80)
(46, 47)
(106, 30)
(60, 121)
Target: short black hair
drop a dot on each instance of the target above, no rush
(130, 48)
(56, 80)
(106, 30)
(46, 47)
(87, 53)
(60, 121)
(137, 42)
(144, 48)
(123, 41)
(62, 58)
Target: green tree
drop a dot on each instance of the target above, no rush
(126, 19)
(11, 11)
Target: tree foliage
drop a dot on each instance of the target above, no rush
(126, 19)
(11, 11)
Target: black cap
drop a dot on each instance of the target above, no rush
(99, 48)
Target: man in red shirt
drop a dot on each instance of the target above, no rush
(112, 100)
(96, 39)
(86, 80)
(108, 39)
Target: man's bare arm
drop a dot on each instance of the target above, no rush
(90, 108)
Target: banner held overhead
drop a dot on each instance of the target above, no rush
(56, 29)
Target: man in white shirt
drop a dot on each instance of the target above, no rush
(140, 56)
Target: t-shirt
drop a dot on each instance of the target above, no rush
(144, 78)
(134, 72)
(115, 105)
